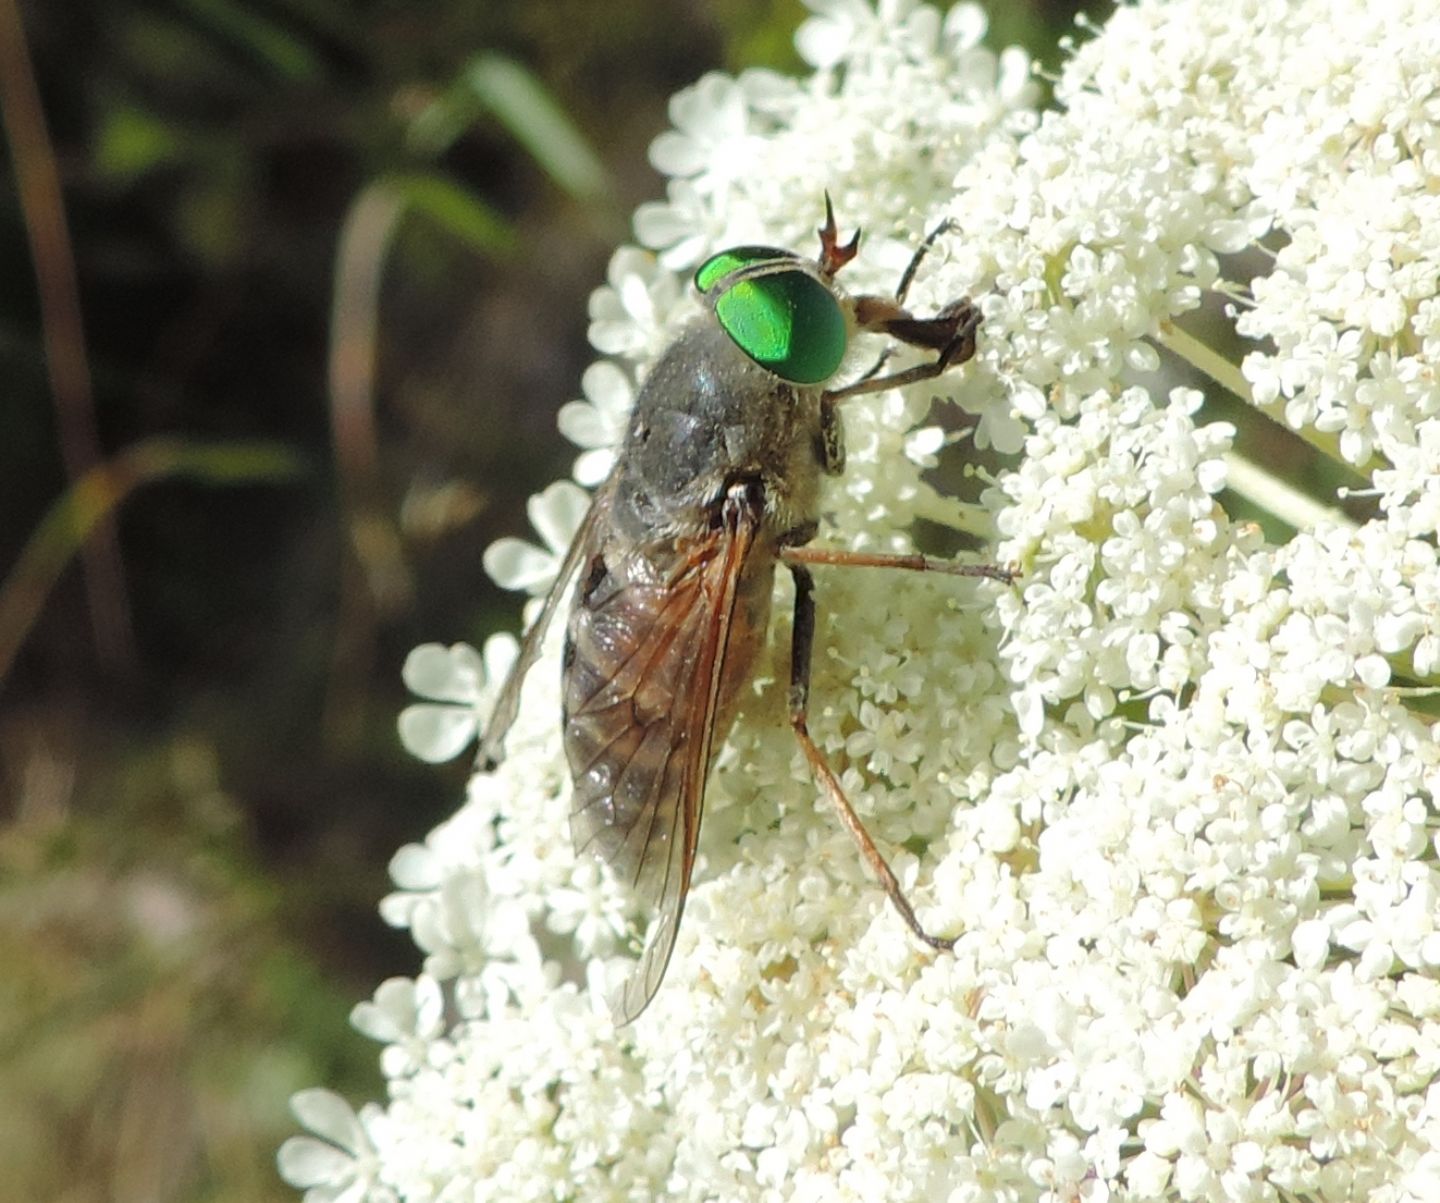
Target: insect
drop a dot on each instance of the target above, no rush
(717, 481)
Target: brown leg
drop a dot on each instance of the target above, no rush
(867, 559)
(801, 647)
(950, 333)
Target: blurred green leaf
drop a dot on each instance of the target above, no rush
(167, 51)
(238, 462)
(132, 142)
(264, 41)
(214, 214)
(521, 103)
(436, 127)
(452, 207)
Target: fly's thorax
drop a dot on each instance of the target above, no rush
(707, 416)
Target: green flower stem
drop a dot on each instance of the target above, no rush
(1228, 376)
(1279, 497)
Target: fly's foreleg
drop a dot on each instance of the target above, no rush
(803, 642)
(950, 334)
(903, 288)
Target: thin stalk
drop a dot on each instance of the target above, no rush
(1228, 376)
(1279, 497)
(42, 205)
(89, 505)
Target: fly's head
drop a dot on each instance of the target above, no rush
(787, 314)
(782, 309)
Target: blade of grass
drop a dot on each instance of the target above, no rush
(376, 578)
(62, 327)
(365, 241)
(91, 501)
(266, 42)
(522, 104)
(453, 208)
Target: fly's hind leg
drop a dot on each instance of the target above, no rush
(839, 557)
(801, 647)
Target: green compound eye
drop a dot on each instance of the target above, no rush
(777, 311)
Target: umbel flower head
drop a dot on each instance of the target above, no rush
(1173, 792)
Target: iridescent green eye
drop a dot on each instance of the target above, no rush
(778, 311)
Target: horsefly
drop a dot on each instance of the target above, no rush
(717, 481)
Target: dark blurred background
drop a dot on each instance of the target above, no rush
(293, 290)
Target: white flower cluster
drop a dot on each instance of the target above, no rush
(1166, 792)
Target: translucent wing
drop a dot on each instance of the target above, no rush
(645, 672)
(507, 704)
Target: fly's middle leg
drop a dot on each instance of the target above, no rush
(800, 651)
(796, 556)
